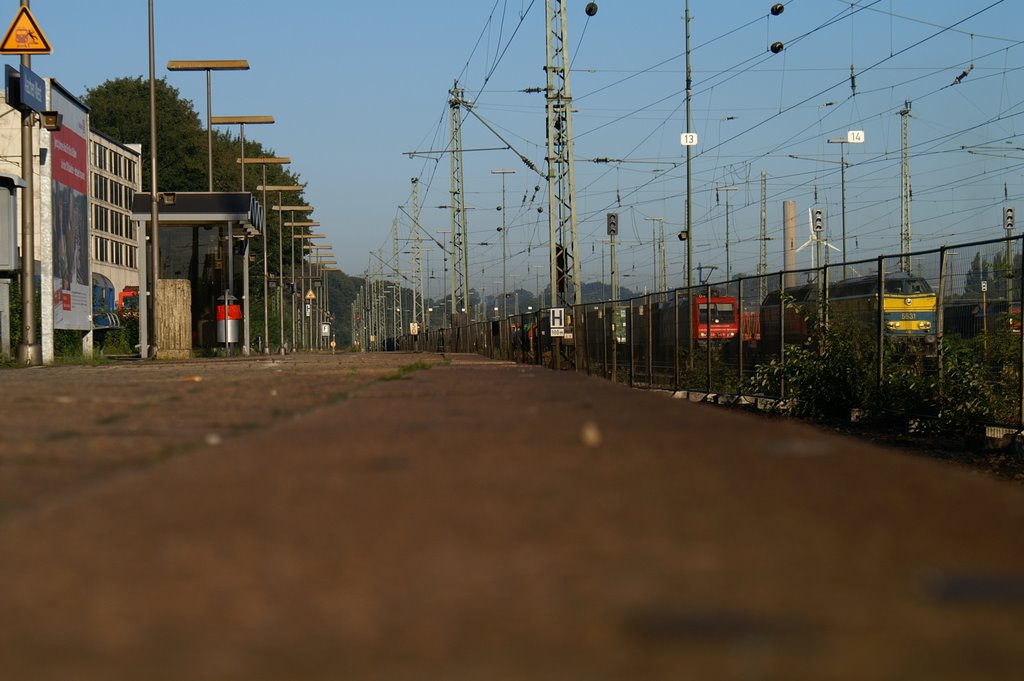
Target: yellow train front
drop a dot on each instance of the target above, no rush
(908, 304)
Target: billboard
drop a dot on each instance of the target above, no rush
(70, 196)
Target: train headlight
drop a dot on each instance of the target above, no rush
(908, 301)
(924, 325)
(892, 326)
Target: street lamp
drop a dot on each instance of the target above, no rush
(241, 122)
(208, 66)
(265, 161)
(504, 241)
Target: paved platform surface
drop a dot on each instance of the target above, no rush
(350, 517)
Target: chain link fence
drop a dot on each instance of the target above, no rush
(941, 345)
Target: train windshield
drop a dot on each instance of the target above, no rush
(902, 287)
(721, 313)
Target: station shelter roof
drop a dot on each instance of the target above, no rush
(191, 208)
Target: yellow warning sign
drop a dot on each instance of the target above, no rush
(24, 36)
(310, 295)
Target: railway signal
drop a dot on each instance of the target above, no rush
(819, 220)
(613, 224)
(1008, 218)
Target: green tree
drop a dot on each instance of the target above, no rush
(119, 109)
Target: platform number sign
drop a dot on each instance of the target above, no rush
(557, 319)
(688, 139)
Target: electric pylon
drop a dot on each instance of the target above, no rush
(905, 246)
(418, 315)
(561, 174)
(460, 254)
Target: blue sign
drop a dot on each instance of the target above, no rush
(24, 89)
(33, 90)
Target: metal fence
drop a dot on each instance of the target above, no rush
(943, 340)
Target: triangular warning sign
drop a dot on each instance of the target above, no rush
(24, 36)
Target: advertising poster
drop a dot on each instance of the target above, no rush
(69, 153)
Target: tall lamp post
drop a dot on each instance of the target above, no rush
(208, 66)
(265, 161)
(280, 189)
(241, 122)
(154, 211)
(504, 241)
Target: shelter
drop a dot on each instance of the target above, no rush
(203, 296)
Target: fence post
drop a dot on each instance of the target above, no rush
(650, 340)
(880, 303)
(1020, 358)
(675, 339)
(940, 314)
(739, 336)
(782, 333)
(629, 340)
(614, 343)
(707, 339)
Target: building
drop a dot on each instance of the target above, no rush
(83, 187)
(115, 176)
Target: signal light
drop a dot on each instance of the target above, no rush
(1008, 218)
(819, 220)
(613, 224)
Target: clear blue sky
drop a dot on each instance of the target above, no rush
(355, 85)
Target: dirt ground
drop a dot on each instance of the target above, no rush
(400, 516)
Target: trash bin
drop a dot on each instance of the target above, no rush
(232, 315)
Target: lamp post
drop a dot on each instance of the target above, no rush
(504, 241)
(265, 161)
(280, 189)
(241, 122)
(154, 231)
(208, 66)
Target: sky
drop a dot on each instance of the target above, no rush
(355, 87)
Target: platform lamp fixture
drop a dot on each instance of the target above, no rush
(241, 122)
(208, 66)
(265, 161)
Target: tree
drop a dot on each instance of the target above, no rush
(119, 109)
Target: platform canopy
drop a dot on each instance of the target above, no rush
(191, 208)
